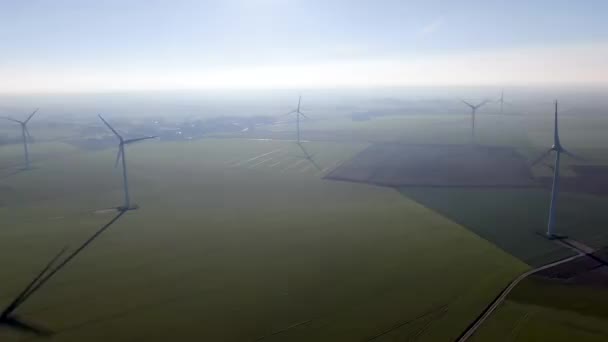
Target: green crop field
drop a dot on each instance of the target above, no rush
(243, 239)
(229, 247)
(540, 310)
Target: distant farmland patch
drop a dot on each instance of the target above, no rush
(591, 270)
(399, 165)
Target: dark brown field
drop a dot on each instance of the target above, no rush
(589, 270)
(398, 165)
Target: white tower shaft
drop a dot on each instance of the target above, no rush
(554, 193)
(473, 110)
(557, 147)
(125, 181)
(25, 149)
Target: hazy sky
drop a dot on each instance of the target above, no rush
(80, 45)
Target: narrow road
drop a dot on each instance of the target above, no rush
(490, 309)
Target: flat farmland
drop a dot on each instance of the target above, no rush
(391, 164)
(563, 303)
(238, 240)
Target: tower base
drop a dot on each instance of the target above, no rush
(548, 236)
(124, 208)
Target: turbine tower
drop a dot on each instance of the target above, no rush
(121, 156)
(473, 112)
(25, 135)
(502, 100)
(558, 149)
(298, 113)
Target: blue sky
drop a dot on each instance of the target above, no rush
(80, 45)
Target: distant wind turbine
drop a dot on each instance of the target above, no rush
(501, 100)
(298, 113)
(558, 149)
(121, 155)
(473, 112)
(26, 135)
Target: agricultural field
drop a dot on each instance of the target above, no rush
(406, 165)
(564, 303)
(229, 245)
(240, 237)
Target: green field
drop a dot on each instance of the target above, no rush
(238, 240)
(228, 250)
(541, 310)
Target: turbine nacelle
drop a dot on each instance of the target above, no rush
(475, 107)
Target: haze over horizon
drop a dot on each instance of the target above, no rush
(87, 46)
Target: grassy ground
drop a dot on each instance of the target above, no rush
(513, 218)
(543, 310)
(237, 240)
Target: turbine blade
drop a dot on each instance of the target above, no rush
(130, 141)
(27, 132)
(299, 101)
(31, 115)
(110, 127)
(541, 157)
(572, 155)
(468, 104)
(481, 104)
(11, 119)
(549, 166)
(293, 111)
(304, 115)
(118, 156)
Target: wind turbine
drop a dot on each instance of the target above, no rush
(26, 135)
(473, 111)
(298, 113)
(121, 155)
(558, 149)
(501, 100)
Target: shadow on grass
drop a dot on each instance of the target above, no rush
(508, 218)
(13, 173)
(309, 157)
(9, 320)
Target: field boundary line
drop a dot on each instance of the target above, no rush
(472, 328)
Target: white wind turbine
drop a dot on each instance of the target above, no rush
(121, 155)
(558, 149)
(25, 135)
(501, 100)
(298, 113)
(473, 112)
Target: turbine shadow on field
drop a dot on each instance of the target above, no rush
(16, 323)
(12, 173)
(9, 320)
(309, 157)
